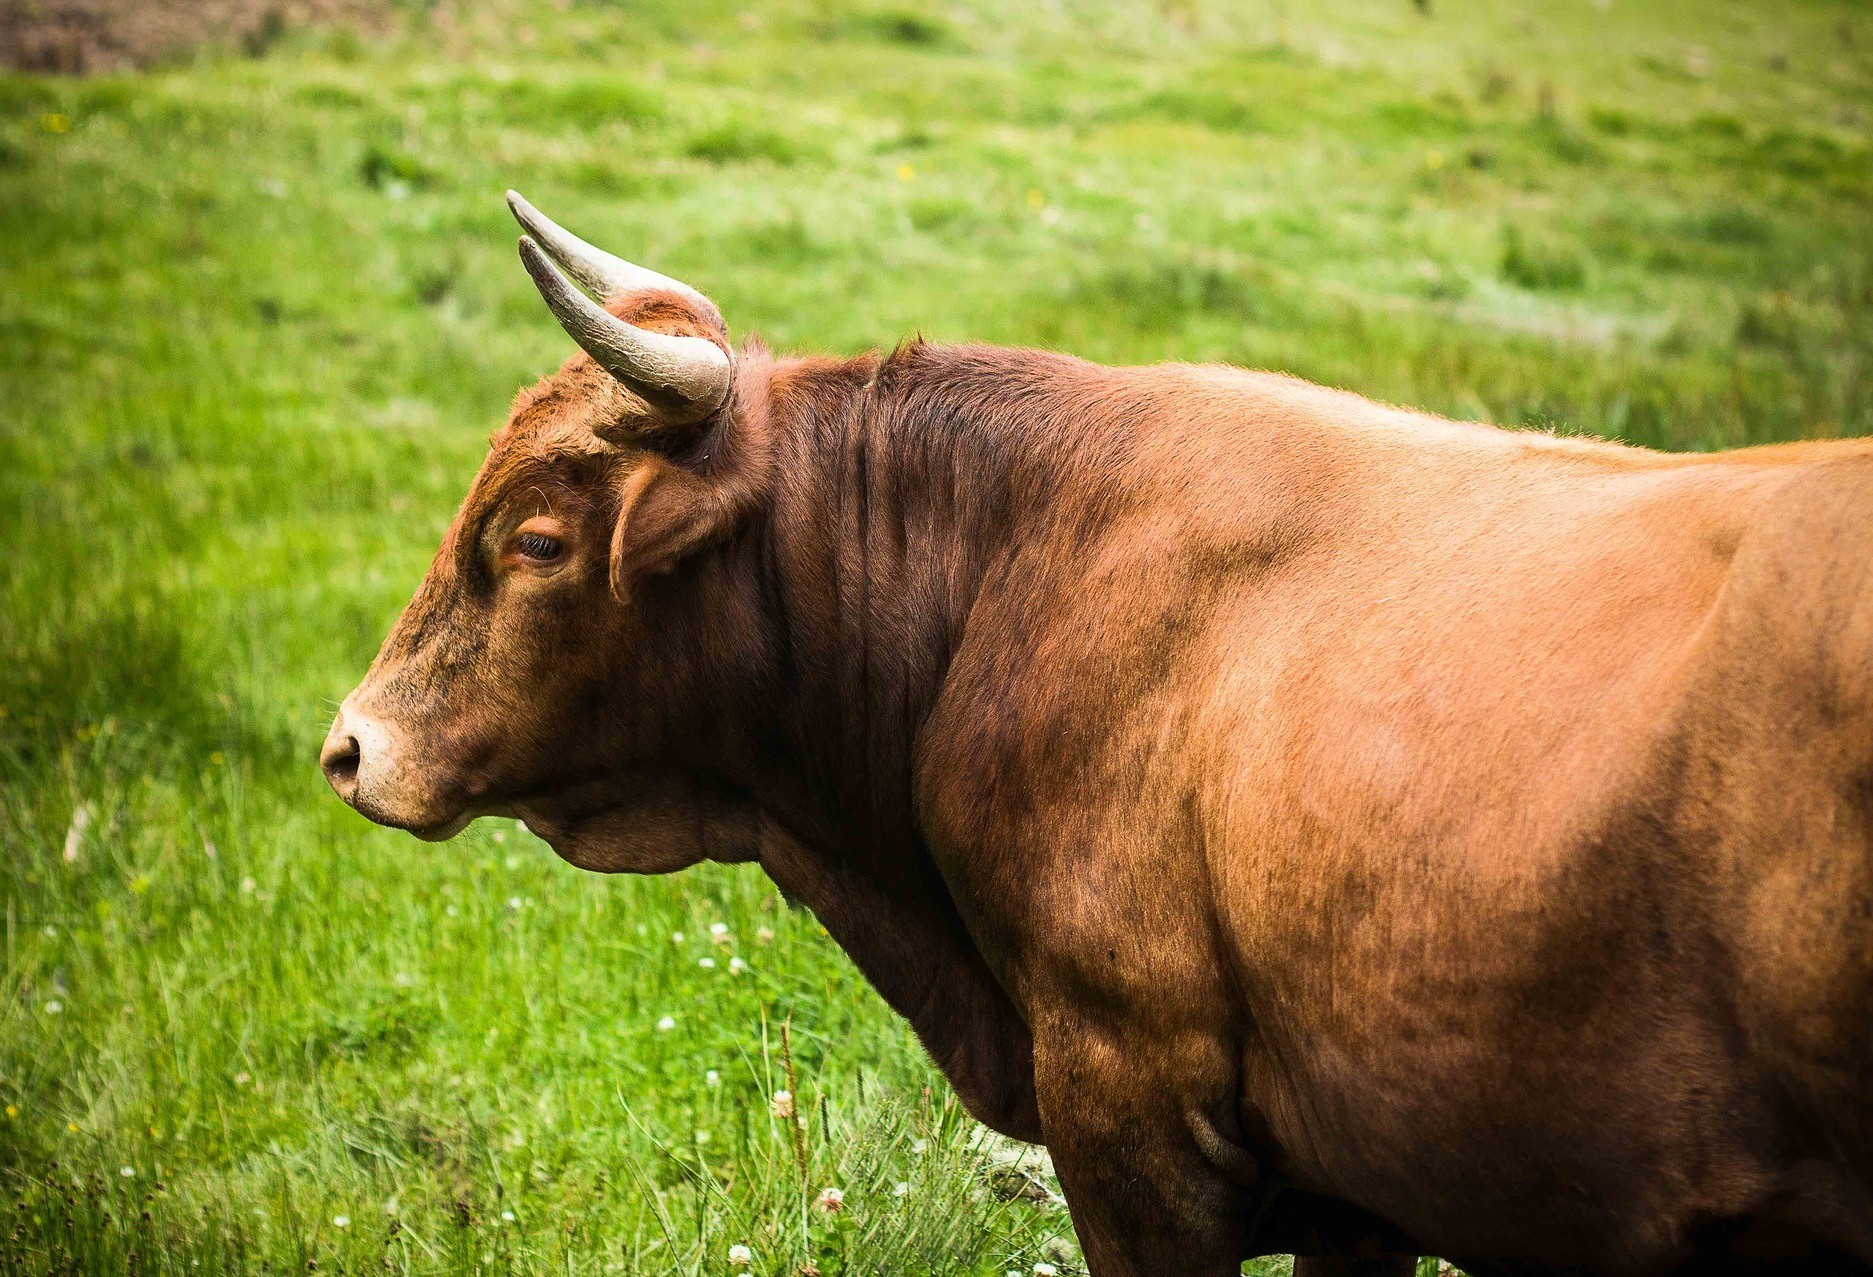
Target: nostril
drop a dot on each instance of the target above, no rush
(340, 761)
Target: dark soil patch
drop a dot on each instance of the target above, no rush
(87, 37)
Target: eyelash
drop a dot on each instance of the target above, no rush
(533, 545)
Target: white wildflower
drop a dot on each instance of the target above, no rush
(737, 966)
(901, 1188)
(128, 1172)
(764, 936)
(341, 1221)
(830, 1200)
(712, 1078)
(1044, 1269)
(666, 1024)
(741, 1253)
(707, 964)
(782, 1104)
(75, 832)
(54, 1007)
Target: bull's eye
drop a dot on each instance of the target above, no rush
(537, 546)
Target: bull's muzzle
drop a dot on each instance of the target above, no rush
(360, 760)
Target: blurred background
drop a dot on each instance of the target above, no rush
(260, 308)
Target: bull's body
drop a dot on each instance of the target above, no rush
(1471, 826)
(1331, 829)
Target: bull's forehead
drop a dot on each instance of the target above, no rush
(554, 465)
(548, 437)
(564, 412)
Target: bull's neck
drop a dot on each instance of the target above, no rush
(899, 485)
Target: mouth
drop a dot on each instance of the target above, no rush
(422, 824)
(598, 824)
(426, 820)
(444, 831)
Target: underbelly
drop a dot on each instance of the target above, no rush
(1627, 1161)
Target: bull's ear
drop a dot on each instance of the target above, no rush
(665, 514)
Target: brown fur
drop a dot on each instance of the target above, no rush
(1331, 829)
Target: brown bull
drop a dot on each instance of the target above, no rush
(1330, 829)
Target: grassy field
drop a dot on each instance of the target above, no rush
(259, 312)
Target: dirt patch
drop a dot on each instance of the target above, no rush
(85, 37)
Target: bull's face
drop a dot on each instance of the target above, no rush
(515, 681)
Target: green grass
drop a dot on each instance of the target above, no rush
(257, 317)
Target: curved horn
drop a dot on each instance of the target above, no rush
(683, 379)
(599, 272)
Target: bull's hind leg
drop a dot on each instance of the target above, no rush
(1139, 1209)
(1146, 1202)
(1156, 1190)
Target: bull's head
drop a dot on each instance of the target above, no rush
(520, 679)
